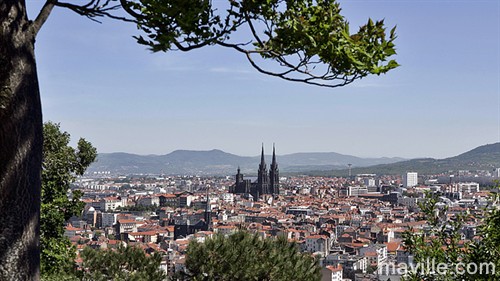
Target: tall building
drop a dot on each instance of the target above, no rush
(262, 176)
(410, 179)
(496, 173)
(274, 175)
(267, 183)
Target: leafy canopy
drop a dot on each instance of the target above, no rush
(297, 40)
(441, 243)
(242, 256)
(61, 164)
(123, 263)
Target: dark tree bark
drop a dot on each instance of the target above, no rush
(20, 145)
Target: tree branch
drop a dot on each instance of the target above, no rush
(94, 9)
(190, 47)
(42, 17)
(312, 79)
(129, 10)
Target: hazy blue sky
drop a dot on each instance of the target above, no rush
(444, 99)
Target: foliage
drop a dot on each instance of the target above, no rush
(61, 164)
(309, 40)
(242, 256)
(122, 263)
(61, 276)
(487, 250)
(441, 243)
(371, 269)
(306, 41)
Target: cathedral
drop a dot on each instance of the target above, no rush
(267, 183)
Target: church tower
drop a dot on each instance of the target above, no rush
(239, 176)
(274, 176)
(208, 212)
(262, 176)
(267, 183)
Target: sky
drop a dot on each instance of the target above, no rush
(443, 100)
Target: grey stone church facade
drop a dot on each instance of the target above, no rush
(267, 183)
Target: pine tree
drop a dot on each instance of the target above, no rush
(123, 263)
(242, 256)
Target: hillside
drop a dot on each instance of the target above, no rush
(217, 162)
(486, 157)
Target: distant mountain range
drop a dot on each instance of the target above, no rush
(217, 162)
(486, 157)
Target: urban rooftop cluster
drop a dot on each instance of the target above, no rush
(354, 225)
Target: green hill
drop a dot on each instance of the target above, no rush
(486, 157)
(217, 162)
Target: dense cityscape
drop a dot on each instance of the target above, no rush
(404, 85)
(353, 225)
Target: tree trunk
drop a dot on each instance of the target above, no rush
(20, 146)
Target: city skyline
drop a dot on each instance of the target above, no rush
(444, 99)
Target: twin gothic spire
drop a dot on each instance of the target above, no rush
(267, 183)
(274, 163)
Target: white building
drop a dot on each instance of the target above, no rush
(149, 201)
(110, 203)
(376, 253)
(468, 187)
(225, 229)
(228, 198)
(370, 182)
(410, 179)
(317, 243)
(356, 190)
(331, 273)
(127, 225)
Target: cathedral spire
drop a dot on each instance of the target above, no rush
(274, 163)
(274, 175)
(262, 161)
(262, 176)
